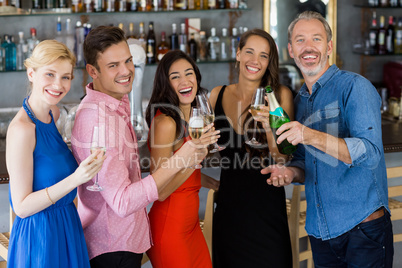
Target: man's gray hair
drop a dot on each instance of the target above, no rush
(309, 15)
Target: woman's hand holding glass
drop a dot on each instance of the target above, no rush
(201, 134)
(257, 102)
(209, 116)
(90, 167)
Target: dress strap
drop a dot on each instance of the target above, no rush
(28, 109)
(218, 105)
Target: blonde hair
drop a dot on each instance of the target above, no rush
(47, 52)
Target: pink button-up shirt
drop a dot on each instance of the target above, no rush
(114, 219)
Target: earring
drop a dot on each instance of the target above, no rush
(237, 65)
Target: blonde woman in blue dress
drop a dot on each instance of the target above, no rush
(47, 231)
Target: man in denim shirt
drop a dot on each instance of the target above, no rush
(340, 157)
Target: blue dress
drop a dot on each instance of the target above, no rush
(52, 237)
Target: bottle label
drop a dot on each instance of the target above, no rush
(278, 112)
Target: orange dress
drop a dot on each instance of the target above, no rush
(178, 241)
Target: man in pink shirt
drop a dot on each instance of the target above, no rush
(115, 220)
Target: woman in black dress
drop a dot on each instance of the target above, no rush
(250, 226)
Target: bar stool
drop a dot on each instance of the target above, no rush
(296, 208)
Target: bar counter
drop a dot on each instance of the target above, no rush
(391, 137)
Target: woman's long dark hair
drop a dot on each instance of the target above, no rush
(163, 95)
(270, 77)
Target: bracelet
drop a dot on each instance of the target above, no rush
(48, 196)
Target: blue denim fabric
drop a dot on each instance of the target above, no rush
(339, 196)
(369, 244)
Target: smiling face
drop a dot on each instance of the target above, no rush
(183, 81)
(116, 71)
(253, 58)
(52, 81)
(310, 48)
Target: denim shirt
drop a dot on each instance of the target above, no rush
(339, 195)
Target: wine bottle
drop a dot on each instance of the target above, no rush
(278, 117)
(151, 44)
(163, 47)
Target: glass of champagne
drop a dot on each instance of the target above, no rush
(209, 116)
(98, 143)
(257, 101)
(196, 126)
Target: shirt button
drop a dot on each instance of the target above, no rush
(120, 103)
(124, 116)
(318, 205)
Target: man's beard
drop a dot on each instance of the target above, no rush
(312, 72)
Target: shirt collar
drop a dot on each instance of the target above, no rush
(321, 81)
(111, 103)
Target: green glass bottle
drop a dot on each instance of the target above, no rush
(278, 117)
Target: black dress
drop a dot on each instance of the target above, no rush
(250, 227)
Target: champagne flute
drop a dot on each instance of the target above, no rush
(98, 143)
(257, 102)
(209, 116)
(196, 126)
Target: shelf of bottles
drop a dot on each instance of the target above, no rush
(214, 48)
(381, 35)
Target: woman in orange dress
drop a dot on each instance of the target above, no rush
(177, 237)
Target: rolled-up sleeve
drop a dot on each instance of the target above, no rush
(364, 121)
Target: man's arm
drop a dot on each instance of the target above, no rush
(300, 134)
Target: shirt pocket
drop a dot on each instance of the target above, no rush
(331, 121)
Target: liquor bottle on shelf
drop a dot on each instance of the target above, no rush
(221, 4)
(121, 5)
(10, 53)
(59, 35)
(121, 26)
(89, 6)
(151, 46)
(168, 5)
(211, 4)
(77, 6)
(183, 38)
(99, 5)
(233, 4)
(278, 117)
(203, 46)
(79, 42)
(243, 4)
(32, 42)
(2, 57)
(132, 5)
(141, 5)
(174, 38)
(390, 36)
(373, 3)
(192, 47)
(180, 5)
(393, 3)
(373, 34)
(398, 37)
(191, 5)
(233, 44)
(142, 37)
(110, 6)
(213, 46)
(130, 31)
(157, 5)
(69, 35)
(384, 3)
(22, 50)
(225, 45)
(163, 47)
(382, 32)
